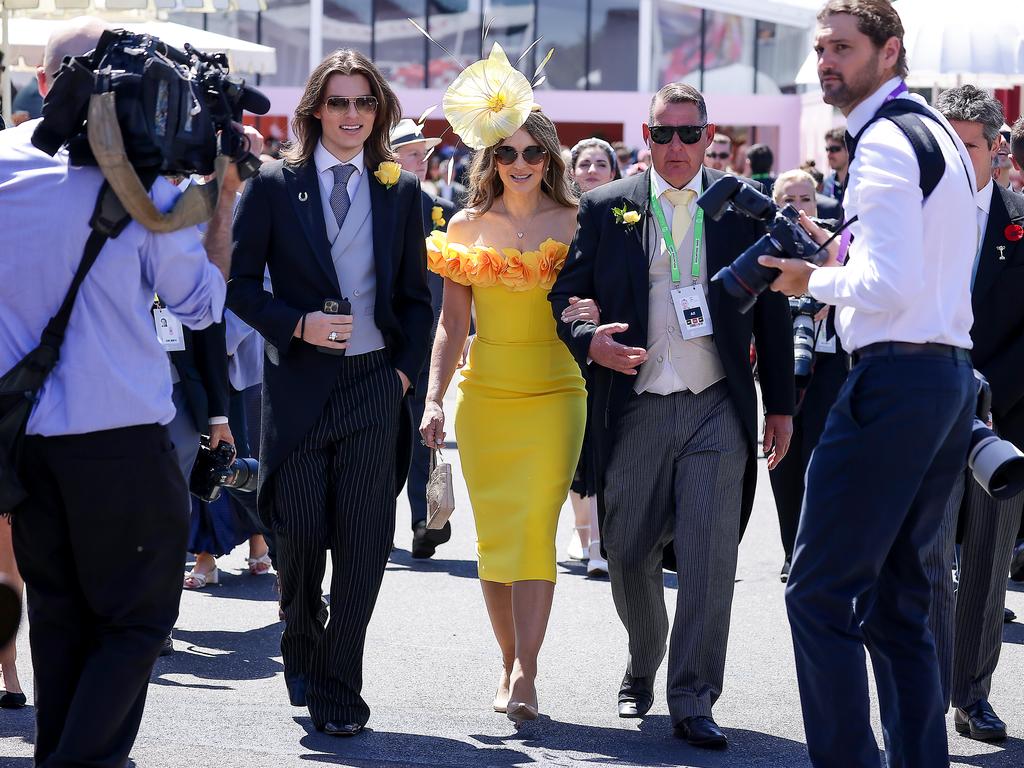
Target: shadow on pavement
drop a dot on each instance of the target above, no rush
(384, 749)
(241, 586)
(1010, 756)
(1013, 633)
(402, 560)
(219, 655)
(18, 724)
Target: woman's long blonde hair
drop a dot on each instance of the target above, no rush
(485, 185)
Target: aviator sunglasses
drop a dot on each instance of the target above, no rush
(340, 104)
(833, 148)
(507, 155)
(688, 134)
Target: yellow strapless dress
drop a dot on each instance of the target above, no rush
(521, 408)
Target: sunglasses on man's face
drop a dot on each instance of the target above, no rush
(717, 155)
(339, 104)
(688, 134)
(833, 148)
(507, 155)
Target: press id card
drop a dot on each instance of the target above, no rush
(692, 312)
(168, 330)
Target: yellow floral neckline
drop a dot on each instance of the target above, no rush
(484, 266)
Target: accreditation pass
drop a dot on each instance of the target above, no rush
(692, 312)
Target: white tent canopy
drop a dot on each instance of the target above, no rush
(28, 38)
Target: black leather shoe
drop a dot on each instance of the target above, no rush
(702, 732)
(341, 729)
(784, 574)
(296, 690)
(980, 722)
(1017, 562)
(425, 542)
(13, 700)
(636, 695)
(1008, 616)
(168, 647)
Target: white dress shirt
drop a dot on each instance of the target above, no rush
(907, 276)
(324, 162)
(984, 201)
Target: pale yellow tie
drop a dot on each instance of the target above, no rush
(681, 219)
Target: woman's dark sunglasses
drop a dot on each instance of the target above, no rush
(688, 134)
(507, 155)
(340, 104)
(833, 148)
(718, 155)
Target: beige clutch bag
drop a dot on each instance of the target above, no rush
(440, 493)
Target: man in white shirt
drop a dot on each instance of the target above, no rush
(898, 434)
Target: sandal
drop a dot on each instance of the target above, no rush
(259, 565)
(199, 580)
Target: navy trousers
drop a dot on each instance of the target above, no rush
(877, 486)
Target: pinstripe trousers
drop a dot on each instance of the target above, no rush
(688, 491)
(968, 623)
(336, 491)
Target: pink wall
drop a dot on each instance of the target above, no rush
(628, 107)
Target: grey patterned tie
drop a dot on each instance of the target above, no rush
(340, 201)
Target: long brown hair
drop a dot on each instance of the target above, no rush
(485, 185)
(306, 126)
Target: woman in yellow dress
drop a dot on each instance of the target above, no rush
(521, 408)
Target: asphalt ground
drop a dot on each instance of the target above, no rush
(432, 665)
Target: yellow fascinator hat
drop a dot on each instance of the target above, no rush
(490, 99)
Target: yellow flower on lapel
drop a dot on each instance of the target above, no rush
(437, 216)
(387, 174)
(630, 217)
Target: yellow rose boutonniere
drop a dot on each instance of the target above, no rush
(437, 216)
(388, 173)
(625, 216)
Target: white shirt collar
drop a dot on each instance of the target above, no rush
(864, 111)
(984, 197)
(324, 160)
(661, 186)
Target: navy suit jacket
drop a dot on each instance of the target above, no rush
(279, 226)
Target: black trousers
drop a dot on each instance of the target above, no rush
(878, 483)
(100, 543)
(336, 491)
(787, 479)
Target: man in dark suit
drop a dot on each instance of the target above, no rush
(413, 149)
(968, 627)
(338, 226)
(678, 376)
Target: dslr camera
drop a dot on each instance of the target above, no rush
(745, 279)
(219, 468)
(997, 464)
(803, 309)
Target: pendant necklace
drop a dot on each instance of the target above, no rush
(520, 233)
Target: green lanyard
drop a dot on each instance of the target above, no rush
(670, 244)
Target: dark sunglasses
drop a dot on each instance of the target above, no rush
(507, 155)
(833, 148)
(718, 155)
(688, 134)
(340, 104)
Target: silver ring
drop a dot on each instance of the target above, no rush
(332, 336)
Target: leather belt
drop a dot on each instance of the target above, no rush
(901, 348)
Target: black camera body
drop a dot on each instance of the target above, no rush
(170, 105)
(745, 279)
(219, 468)
(997, 464)
(803, 309)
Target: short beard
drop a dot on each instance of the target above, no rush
(847, 94)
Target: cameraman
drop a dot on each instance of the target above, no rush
(896, 438)
(816, 390)
(101, 538)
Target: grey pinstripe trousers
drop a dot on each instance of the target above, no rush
(676, 474)
(968, 623)
(336, 491)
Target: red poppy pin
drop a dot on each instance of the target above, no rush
(1014, 232)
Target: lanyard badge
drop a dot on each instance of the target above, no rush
(670, 244)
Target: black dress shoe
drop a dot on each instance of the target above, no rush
(784, 574)
(980, 722)
(13, 700)
(296, 690)
(168, 647)
(341, 729)
(425, 541)
(702, 732)
(636, 695)
(1008, 616)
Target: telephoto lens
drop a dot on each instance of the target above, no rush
(997, 464)
(803, 347)
(220, 468)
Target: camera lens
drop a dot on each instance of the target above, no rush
(745, 279)
(997, 465)
(803, 346)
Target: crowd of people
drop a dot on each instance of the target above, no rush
(320, 316)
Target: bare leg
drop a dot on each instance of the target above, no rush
(531, 607)
(498, 598)
(205, 565)
(581, 513)
(9, 568)
(258, 548)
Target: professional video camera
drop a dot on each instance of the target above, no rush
(784, 237)
(220, 468)
(139, 108)
(997, 464)
(803, 309)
